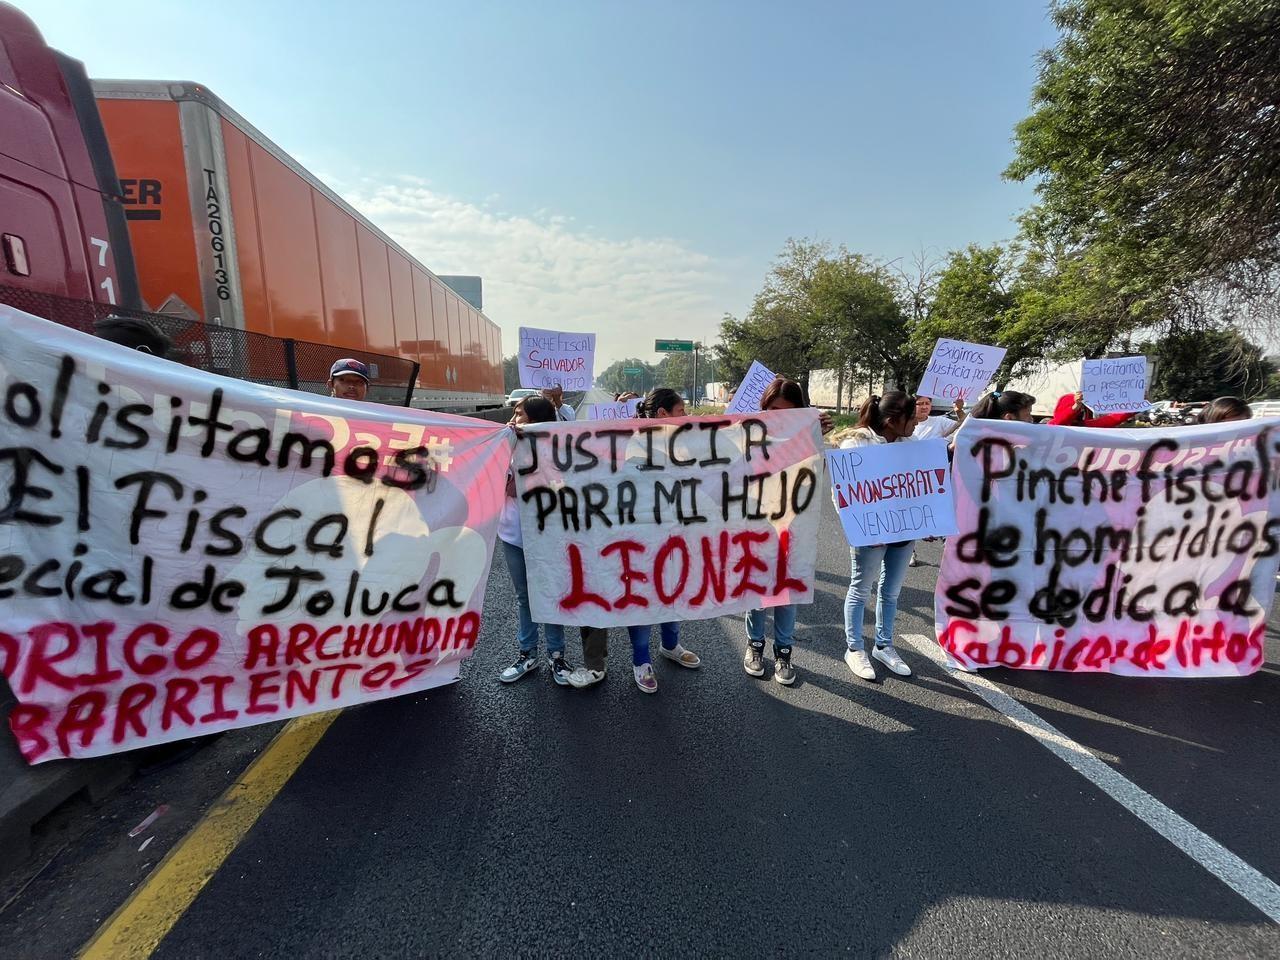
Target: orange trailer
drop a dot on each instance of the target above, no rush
(227, 227)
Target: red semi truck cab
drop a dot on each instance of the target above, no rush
(62, 222)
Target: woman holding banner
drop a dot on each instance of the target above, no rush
(1004, 405)
(661, 402)
(886, 419)
(528, 410)
(1225, 410)
(782, 394)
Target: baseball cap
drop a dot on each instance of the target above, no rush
(348, 365)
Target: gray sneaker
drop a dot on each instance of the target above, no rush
(783, 672)
(753, 661)
(525, 664)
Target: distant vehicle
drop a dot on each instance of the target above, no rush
(717, 391)
(1168, 413)
(519, 394)
(1265, 408)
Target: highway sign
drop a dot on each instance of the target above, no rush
(673, 346)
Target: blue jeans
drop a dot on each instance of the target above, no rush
(784, 625)
(640, 644)
(885, 567)
(528, 635)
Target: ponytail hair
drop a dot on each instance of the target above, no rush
(998, 404)
(659, 398)
(894, 405)
(784, 389)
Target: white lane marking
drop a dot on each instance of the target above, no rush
(1254, 886)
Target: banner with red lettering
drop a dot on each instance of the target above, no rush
(1136, 552)
(648, 521)
(182, 553)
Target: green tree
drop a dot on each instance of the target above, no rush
(860, 320)
(1153, 138)
(782, 330)
(973, 299)
(615, 379)
(511, 372)
(1201, 365)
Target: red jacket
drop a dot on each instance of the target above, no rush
(1064, 415)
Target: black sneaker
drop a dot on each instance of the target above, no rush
(753, 661)
(561, 669)
(783, 672)
(525, 664)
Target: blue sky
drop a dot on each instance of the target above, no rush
(624, 168)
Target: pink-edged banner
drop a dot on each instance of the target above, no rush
(182, 553)
(1139, 552)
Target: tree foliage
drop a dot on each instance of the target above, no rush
(860, 318)
(1153, 138)
(781, 329)
(1202, 365)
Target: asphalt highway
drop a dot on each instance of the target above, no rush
(726, 815)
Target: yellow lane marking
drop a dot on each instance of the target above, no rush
(135, 930)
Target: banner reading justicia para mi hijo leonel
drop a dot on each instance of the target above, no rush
(633, 522)
(181, 553)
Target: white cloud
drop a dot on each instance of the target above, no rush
(541, 271)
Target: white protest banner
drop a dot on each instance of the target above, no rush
(675, 519)
(1115, 385)
(1136, 552)
(550, 358)
(619, 410)
(960, 369)
(891, 492)
(746, 399)
(182, 553)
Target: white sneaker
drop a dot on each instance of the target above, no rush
(914, 561)
(889, 657)
(859, 664)
(646, 679)
(585, 677)
(686, 658)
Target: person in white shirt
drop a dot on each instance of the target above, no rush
(556, 396)
(932, 428)
(880, 568)
(528, 410)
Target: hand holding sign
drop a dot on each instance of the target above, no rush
(1115, 384)
(891, 492)
(960, 370)
(747, 397)
(550, 358)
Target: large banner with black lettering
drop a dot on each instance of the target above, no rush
(182, 553)
(648, 521)
(1136, 552)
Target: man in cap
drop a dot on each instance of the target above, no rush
(348, 379)
(134, 333)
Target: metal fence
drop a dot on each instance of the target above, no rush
(258, 357)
